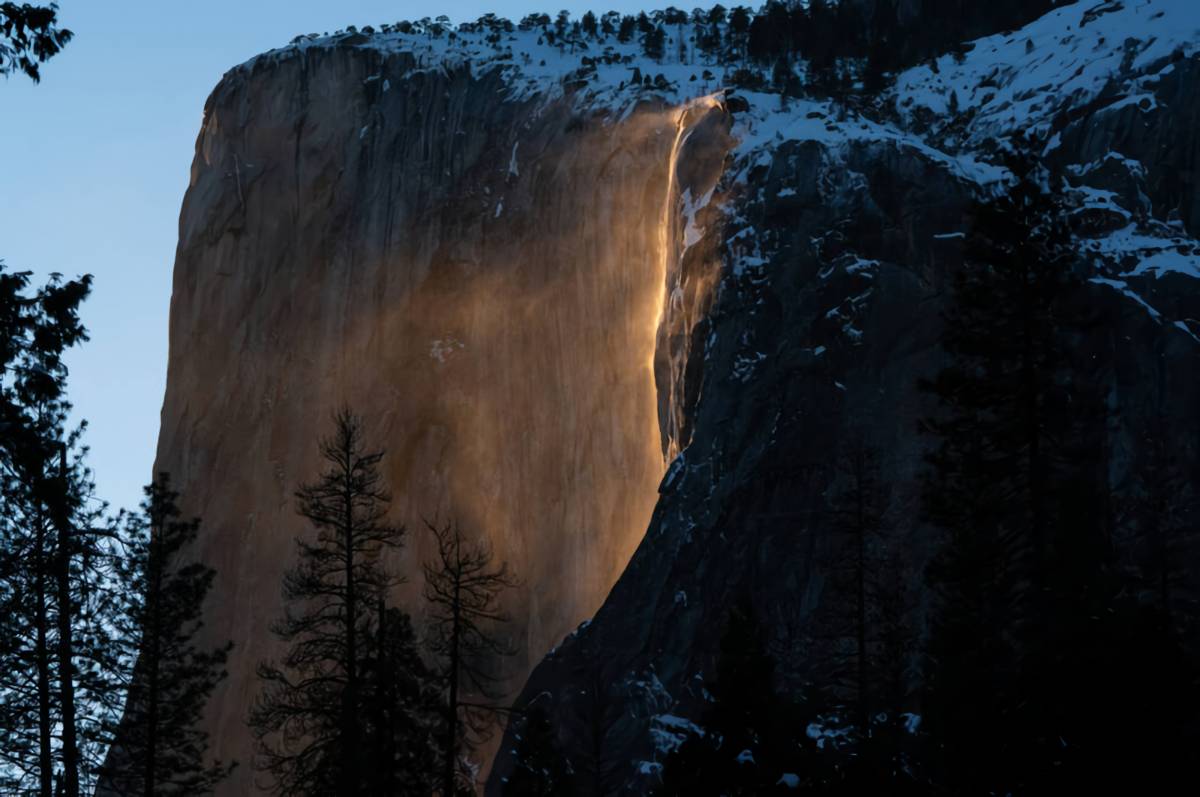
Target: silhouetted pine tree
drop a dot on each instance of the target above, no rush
(749, 736)
(862, 643)
(991, 484)
(1139, 649)
(819, 46)
(879, 55)
(769, 37)
(588, 24)
(1026, 675)
(738, 31)
(53, 694)
(653, 42)
(158, 746)
(406, 710)
(541, 770)
(858, 522)
(307, 721)
(1157, 521)
(463, 587)
(626, 29)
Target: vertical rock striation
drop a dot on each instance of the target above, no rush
(479, 275)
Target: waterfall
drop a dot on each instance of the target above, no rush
(686, 289)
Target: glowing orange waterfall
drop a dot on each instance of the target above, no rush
(674, 352)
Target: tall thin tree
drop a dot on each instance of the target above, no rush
(1016, 478)
(462, 586)
(858, 519)
(306, 721)
(50, 542)
(158, 747)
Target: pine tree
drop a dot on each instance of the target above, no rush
(879, 54)
(653, 42)
(783, 79)
(1134, 648)
(1015, 482)
(588, 24)
(463, 587)
(307, 719)
(749, 735)
(859, 527)
(1156, 522)
(626, 29)
(28, 703)
(609, 23)
(158, 748)
(739, 30)
(406, 709)
(541, 770)
(52, 690)
(818, 43)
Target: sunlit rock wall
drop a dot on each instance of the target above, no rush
(360, 232)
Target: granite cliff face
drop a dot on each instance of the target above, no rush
(481, 278)
(572, 308)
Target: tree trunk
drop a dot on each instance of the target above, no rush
(387, 702)
(350, 701)
(1033, 434)
(861, 565)
(42, 659)
(1164, 569)
(452, 705)
(66, 653)
(152, 655)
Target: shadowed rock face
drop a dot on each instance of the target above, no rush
(788, 387)
(1158, 134)
(360, 233)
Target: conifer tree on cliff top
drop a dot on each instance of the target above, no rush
(309, 722)
(159, 750)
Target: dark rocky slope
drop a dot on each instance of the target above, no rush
(838, 254)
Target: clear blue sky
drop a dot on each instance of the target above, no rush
(94, 162)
